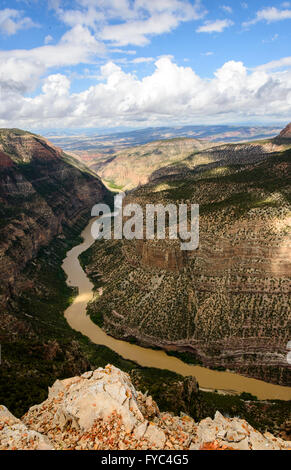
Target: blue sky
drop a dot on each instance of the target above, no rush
(134, 63)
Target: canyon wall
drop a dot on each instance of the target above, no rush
(42, 191)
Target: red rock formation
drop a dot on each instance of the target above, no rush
(284, 135)
(5, 161)
(170, 259)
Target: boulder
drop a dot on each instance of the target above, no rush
(97, 395)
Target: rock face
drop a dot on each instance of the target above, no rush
(170, 259)
(14, 435)
(138, 165)
(101, 410)
(42, 190)
(285, 135)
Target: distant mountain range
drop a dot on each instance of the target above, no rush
(88, 144)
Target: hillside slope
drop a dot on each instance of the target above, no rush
(284, 138)
(220, 156)
(45, 201)
(132, 167)
(138, 165)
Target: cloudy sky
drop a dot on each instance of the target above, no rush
(138, 63)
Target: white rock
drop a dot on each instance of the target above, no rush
(242, 445)
(259, 442)
(56, 389)
(207, 431)
(87, 375)
(194, 446)
(140, 430)
(220, 419)
(15, 435)
(233, 436)
(237, 425)
(109, 393)
(6, 415)
(221, 434)
(155, 436)
(109, 390)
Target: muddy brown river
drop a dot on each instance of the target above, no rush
(208, 379)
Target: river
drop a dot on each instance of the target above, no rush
(208, 379)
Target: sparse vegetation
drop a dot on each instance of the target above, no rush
(216, 305)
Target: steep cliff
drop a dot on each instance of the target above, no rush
(101, 410)
(285, 136)
(42, 190)
(45, 200)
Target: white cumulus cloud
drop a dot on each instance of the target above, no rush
(276, 64)
(226, 8)
(269, 15)
(171, 94)
(12, 21)
(123, 22)
(21, 69)
(217, 26)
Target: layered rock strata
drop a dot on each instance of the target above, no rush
(42, 190)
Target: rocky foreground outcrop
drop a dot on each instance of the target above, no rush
(15, 435)
(101, 410)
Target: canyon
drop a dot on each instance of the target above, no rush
(228, 303)
(132, 167)
(217, 307)
(136, 166)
